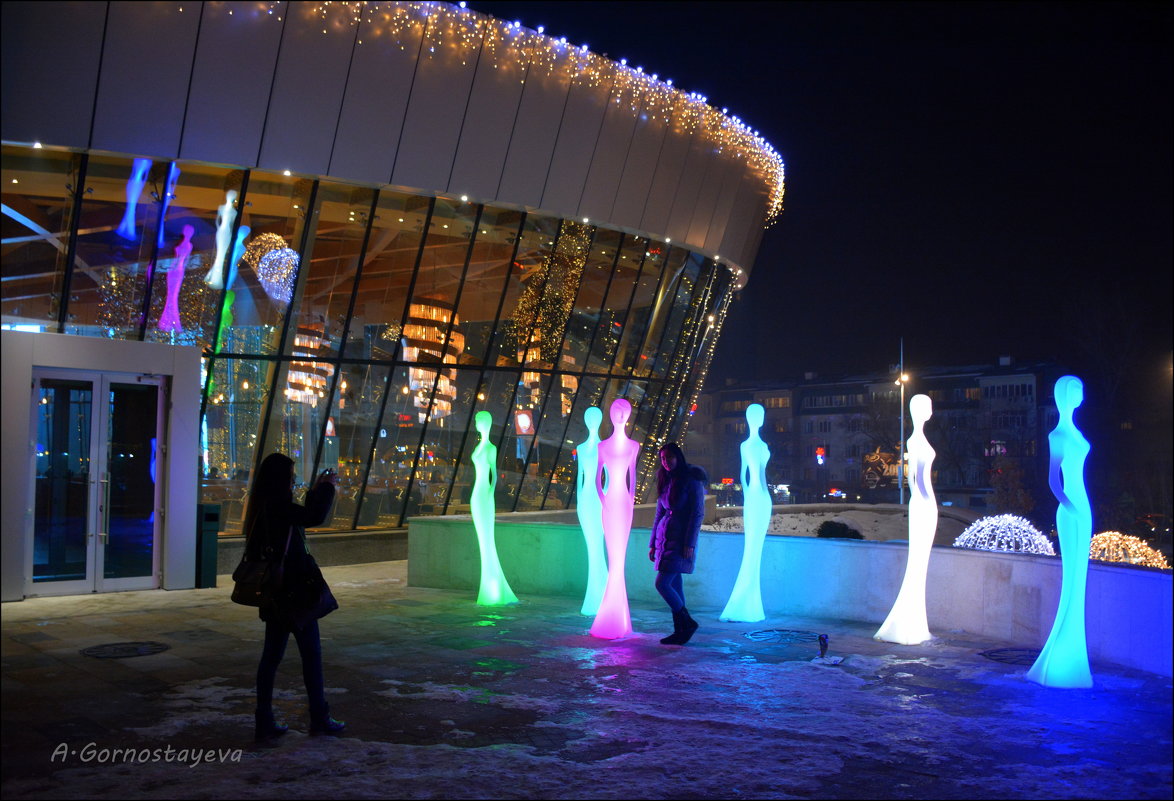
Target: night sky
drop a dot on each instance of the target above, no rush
(982, 179)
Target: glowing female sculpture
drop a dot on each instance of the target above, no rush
(1063, 662)
(225, 215)
(495, 590)
(134, 188)
(906, 623)
(617, 459)
(745, 602)
(590, 511)
(169, 320)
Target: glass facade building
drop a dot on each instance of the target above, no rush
(364, 327)
(373, 221)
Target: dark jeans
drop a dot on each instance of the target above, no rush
(310, 648)
(670, 587)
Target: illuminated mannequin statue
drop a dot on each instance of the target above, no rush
(1063, 662)
(617, 461)
(590, 511)
(169, 320)
(745, 604)
(906, 623)
(495, 590)
(225, 215)
(134, 188)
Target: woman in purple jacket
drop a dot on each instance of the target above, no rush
(680, 507)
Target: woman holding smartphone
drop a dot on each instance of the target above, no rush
(274, 526)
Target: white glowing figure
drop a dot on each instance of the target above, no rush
(169, 320)
(745, 604)
(615, 481)
(134, 188)
(1063, 662)
(495, 590)
(906, 623)
(225, 215)
(590, 511)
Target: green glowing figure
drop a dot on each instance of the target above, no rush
(495, 590)
(590, 511)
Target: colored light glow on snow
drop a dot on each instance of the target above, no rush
(589, 508)
(615, 480)
(169, 320)
(907, 623)
(745, 603)
(1063, 662)
(495, 590)
(134, 188)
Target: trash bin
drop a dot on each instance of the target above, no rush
(207, 531)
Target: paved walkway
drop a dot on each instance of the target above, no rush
(445, 699)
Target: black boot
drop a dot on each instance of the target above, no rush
(322, 723)
(267, 728)
(688, 626)
(674, 638)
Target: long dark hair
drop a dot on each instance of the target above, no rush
(671, 481)
(270, 489)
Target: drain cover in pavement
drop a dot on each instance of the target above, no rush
(782, 635)
(122, 650)
(1012, 656)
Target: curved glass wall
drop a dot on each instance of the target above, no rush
(361, 329)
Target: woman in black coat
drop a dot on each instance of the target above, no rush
(680, 507)
(274, 524)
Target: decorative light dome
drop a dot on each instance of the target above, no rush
(1113, 546)
(1004, 533)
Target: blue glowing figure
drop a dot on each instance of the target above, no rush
(1063, 662)
(907, 623)
(134, 188)
(590, 510)
(745, 604)
(168, 194)
(495, 590)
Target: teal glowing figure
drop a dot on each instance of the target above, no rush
(907, 623)
(590, 510)
(615, 480)
(225, 215)
(495, 590)
(170, 320)
(134, 188)
(745, 604)
(1063, 662)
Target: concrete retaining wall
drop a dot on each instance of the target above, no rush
(1008, 597)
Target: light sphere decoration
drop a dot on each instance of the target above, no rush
(277, 271)
(1009, 533)
(1113, 546)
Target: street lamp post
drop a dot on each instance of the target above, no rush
(902, 378)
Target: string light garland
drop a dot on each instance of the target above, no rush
(1004, 533)
(1113, 546)
(544, 306)
(459, 33)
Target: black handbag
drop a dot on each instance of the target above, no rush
(259, 581)
(308, 597)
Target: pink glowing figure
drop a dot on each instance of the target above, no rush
(169, 320)
(617, 459)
